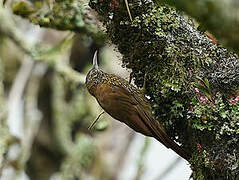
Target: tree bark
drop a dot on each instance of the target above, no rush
(192, 83)
(219, 17)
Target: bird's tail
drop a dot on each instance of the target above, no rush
(161, 136)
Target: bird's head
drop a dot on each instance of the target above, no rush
(94, 76)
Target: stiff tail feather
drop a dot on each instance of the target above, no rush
(169, 143)
(159, 133)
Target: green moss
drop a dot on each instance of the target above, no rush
(218, 115)
(199, 162)
(22, 8)
(178, 59)
(218, 18)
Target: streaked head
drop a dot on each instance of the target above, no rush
(94, 76)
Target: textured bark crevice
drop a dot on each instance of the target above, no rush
(219, 17)
(193, 83)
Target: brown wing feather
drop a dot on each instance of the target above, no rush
(159, 133)
(121, 106)
(135, 111)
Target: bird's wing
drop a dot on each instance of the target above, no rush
(121, 105)
(156, 129)
(129, 102)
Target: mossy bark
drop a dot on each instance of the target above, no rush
(219, 17)
(65, 15)
(193, 84)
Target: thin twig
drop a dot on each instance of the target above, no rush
(15, 98)
(94, 122)
(122, 154)
(141, 168)
(8, 28)
(128, 10)
(32, 116)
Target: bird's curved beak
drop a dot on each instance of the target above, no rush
(95, 63)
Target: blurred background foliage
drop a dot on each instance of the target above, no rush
(45, 108)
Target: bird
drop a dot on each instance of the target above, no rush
(127, 103)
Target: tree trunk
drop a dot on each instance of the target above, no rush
(193, 84)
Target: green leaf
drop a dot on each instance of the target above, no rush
(207, 83)
(223, 114)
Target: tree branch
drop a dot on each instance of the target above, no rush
(190, 81)
(219, 17)
(8, 27)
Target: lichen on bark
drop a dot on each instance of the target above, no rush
(222, 19)
(193, 84)
(65, 15)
